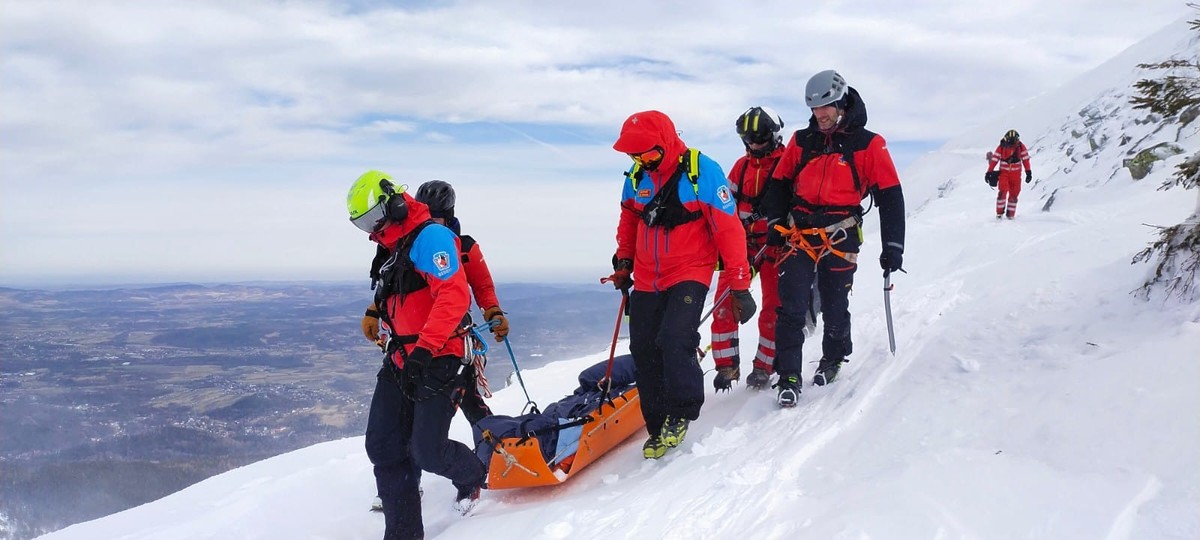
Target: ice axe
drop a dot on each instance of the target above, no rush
(887, 309)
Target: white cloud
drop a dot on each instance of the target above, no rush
(124, 97)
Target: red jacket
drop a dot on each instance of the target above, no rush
(1010, 158)
(748, 178)
(688, 252)
(478, 275)
(825, 190)
(827, 179)
(432, 314)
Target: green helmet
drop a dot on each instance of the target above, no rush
(374, 199)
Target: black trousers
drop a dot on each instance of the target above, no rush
(663, 336)
(471, 402)
(408, 429)
(835, 278)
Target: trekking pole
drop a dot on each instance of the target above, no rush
(605, 384)
(887, 309)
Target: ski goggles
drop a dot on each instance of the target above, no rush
(757, 138)
(649, 157)
(370, 221)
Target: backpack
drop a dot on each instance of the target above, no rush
(665, 209)
(393, 272)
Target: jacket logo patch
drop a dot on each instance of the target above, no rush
(441, 260)
(643, 193)
(723, 194)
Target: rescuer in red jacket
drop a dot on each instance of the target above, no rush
(677, 217)
(758, 128)
(1011, 155)
(422, 294)
(815, 194)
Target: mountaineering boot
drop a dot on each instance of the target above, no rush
(726, 375)
(758, 379)
(789, 391)
(467, 497)
(673, 431)
(654, 448)
(828, 370)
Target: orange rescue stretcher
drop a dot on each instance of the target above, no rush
(518, 462)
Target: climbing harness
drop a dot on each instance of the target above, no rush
(798, 240)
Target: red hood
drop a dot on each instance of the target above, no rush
(391, 233)
(644, 130)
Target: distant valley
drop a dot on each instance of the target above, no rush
(112, 398)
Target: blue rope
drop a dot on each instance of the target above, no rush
(479, 339)
(515, 366)
(489, 325)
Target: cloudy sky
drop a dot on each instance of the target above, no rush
(210, 141)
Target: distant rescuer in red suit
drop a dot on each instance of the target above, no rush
(1012, 156)
(678, 215)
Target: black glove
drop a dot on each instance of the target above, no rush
(992, 178)
(743, 306)
(774, 237)
(417, 361)
(621, 277)
(1028, 176)
(891, 259)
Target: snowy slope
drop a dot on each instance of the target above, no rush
(1031, 396)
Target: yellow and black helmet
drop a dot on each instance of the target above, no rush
(1012, 136)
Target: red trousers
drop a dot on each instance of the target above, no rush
(725, 326)
(1009, 188)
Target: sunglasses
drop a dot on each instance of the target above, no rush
(648, 157)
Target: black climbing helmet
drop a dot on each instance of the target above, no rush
(439, 197)
(760, 125)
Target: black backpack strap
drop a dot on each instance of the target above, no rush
(397, 274)
(467, 243)
(811, 148)
(381, 256)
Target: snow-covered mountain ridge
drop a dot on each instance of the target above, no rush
(1031, 396)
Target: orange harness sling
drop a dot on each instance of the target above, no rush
(798, 240)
